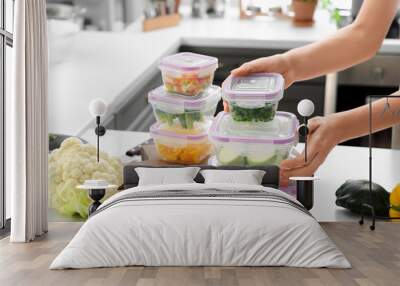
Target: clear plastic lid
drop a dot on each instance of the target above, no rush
(207, 99)
(161, 129)
(282, 130)
(188, 62)
(260, 87)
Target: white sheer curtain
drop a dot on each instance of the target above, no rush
(27, 137)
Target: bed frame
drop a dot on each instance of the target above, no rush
(131, 179)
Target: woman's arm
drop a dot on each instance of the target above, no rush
(349, 46)
(327, 132)
(355, 123)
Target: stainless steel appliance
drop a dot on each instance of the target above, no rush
(378, 76)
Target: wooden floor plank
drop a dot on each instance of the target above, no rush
(375, 257)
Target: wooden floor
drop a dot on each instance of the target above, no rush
(375, 257)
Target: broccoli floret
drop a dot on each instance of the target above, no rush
(186, 119)
(258, 114)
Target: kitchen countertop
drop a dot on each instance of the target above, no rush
(112, 66)
(343, 163)
(116, 142)
(346, 162)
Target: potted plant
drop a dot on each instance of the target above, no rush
(304, 10)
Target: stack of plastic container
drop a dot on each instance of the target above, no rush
(253, 133)
(184, 107)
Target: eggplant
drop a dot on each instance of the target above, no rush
(354, 193)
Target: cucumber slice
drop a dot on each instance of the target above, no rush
(227, 156)
(261, 159)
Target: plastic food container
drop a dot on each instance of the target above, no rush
(253, 98)
(188, 73)
(183, 112)
(253, 147)
(182, 148)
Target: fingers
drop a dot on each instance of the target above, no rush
(298, 166)
(312, 150)
(278, 63)
(243, 70)
(306, 170)
(296, 162)
(300, 161)
(255, 66)
(226, 106)
(314, 123)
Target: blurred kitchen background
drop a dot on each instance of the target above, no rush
(110, 49)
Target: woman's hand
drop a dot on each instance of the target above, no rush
(323, 136)
(277, 64)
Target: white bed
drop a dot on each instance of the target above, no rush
(257, 226)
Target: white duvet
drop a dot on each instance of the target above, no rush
(200, 231)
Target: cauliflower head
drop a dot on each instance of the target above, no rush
(72, 164)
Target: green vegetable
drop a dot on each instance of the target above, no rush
(186, 119)
(227, 156)
(257, 114)
(353, 193)
(72, 164)
(165, 117)
(182, 120)
(261, 160)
